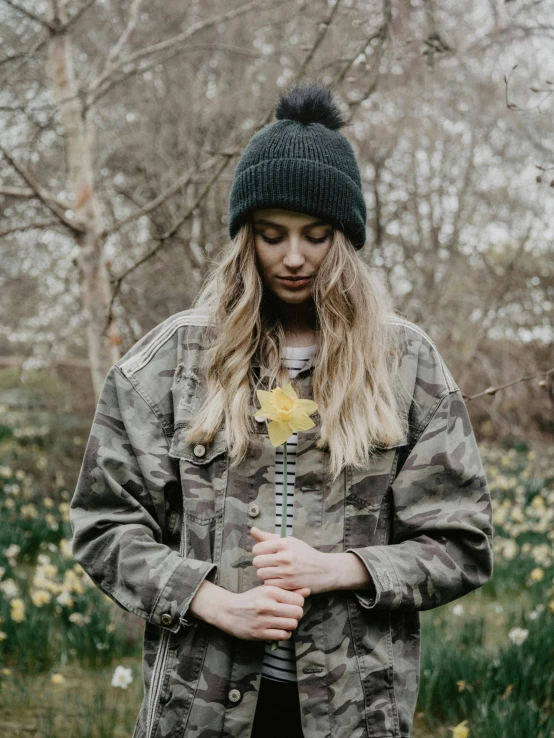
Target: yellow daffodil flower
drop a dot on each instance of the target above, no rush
(537, 575)
(287, 412)
(461, 730)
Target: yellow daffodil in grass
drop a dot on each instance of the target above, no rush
(287, 413)
(461, 730)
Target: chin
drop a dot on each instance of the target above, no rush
(296, 298)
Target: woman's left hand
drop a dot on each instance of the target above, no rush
(291, 563)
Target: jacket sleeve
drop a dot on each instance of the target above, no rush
(117, 510)
(441, 546)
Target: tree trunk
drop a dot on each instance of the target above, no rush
(103, 346)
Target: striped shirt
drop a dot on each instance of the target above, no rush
(280, 664)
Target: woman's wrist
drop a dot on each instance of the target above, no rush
(347, 571)
(209, 603)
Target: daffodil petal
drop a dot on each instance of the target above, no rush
(288, 390)
(264, 396)
(278, 432)
(307, 406)
(301, 422)
(271, 413)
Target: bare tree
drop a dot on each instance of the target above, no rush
(121, 123)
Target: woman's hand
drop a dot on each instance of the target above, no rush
(291, 563)
(263, 613)
(259, 614)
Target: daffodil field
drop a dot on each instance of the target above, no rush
(487, 662)
(70, 662)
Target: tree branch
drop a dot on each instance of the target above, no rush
(104, 76)
(22, 58)
(494, 390)
(32, 16)
(23, 192)
(29, 226)
(323, 29)
(55, 207)
(161, 239)
(114, 81)
(122, 40)
(152, 205)
(75, 17)
(381, 34)
(494, 300)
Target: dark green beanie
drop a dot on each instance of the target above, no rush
(301, 162)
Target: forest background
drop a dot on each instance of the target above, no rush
(120, 126)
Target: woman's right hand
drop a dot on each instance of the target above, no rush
(264, 613)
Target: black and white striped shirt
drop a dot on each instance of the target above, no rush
(280, 664)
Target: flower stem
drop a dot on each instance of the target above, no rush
(275, 644)
(285, 490)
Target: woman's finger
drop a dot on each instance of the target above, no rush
(270, 572)
(264, 561)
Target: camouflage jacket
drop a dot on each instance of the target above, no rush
(153, 516)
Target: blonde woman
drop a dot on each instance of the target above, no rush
(179, 504)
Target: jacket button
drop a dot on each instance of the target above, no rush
(166, 619)
(164, 698)
(253, 510)
(199, 450)
(234, 695)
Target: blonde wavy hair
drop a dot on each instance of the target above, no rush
(354, 341)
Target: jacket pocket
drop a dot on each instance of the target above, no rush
(203, 471)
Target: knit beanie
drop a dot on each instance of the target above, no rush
(301, 162)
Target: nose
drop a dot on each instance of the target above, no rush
(294, 258)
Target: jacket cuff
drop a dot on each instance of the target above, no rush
(387, 593)
(174, 599)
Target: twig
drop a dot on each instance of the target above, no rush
(104, 76)
(8, 191)
(323, 29)
(164, 237)
(163, 57)
(122, 40)
(381, 34)
(31, 15)
(493, 301)
(152, 205)
(43, 195)
(75, 17)
(24, 56)
(493, 390)
(29, 226)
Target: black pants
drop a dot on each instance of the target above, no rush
(278, 711)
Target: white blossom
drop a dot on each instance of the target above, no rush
(122, 677)
(518, 635)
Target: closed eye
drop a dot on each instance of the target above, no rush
(279, 238)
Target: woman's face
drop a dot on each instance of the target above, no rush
(290, 245)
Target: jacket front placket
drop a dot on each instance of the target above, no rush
(319, 521)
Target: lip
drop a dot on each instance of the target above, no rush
(294, 282)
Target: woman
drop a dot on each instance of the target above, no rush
(179, 502)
